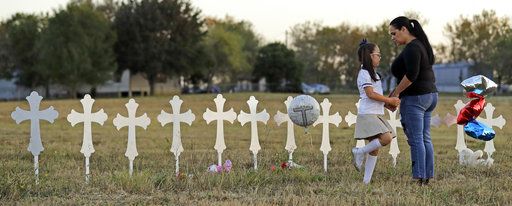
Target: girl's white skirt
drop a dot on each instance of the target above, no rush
(369, 125)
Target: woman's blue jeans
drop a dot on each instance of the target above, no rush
(415, 112)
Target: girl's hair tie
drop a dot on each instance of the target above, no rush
(363, 42)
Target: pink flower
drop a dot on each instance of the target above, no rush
(227, 166)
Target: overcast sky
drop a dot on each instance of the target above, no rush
(271, 18)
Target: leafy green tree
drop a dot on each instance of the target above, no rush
(231, 47)
(305, 46)
(329, 53)
(347, 50)
(250, 43)
(77, 47)
(502, 60)
(108, 8)
(280, 68)
(476, 39)
(158, 38)
(18, 53)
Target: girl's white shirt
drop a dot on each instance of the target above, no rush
(367, 105)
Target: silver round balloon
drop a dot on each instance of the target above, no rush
(304, 110)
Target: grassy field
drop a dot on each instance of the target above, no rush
(154, 181)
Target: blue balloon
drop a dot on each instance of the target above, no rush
(479, 130)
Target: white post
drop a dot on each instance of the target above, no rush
(177, 165)
(325, 162)
(36, 168)
(87, 172)
(220, 158)
(255, 158)
(131, 167)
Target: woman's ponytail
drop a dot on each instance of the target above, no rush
(418, 32)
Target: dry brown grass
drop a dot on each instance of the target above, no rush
(154, 182)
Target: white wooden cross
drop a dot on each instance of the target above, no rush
(87, 118)
(351, 119)
(131, 122)
(325, 119)
(290, 135)
(393, 147)
(176, 118)
(461, 143)
(220, 116)
(489, 121)
(34, 115)
(254, 117)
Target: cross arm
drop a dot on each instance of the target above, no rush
(20, 115)
(100, 117)
(120, 121)
(164, 118)
(74, 117)
(49, 114)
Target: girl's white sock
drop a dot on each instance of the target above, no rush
(373, 145)
(371, 161)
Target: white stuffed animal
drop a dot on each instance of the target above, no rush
(468, 157)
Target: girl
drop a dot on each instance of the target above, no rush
(370, 124)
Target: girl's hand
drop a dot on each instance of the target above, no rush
(393, 101)
(388, 106)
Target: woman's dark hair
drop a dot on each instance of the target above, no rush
(364, 54)
(416, 30)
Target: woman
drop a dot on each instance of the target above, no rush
(417, 92)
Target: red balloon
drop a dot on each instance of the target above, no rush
(472, 110)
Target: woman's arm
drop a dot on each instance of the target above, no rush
(377, 97)
(404, 83)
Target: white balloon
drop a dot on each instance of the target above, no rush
(304, 110)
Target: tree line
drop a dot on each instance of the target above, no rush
(86, 44)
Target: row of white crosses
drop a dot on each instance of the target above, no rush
(220, 116)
